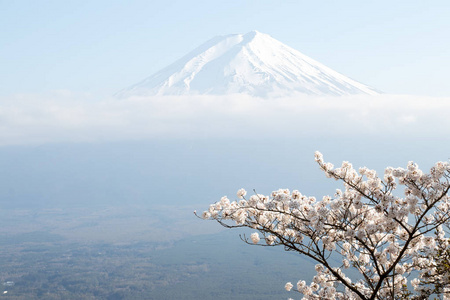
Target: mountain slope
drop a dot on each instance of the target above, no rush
(252, 63)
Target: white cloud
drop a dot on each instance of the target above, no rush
(65, 117)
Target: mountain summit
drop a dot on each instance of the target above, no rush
(254, 63)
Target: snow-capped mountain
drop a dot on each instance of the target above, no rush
(252, 63)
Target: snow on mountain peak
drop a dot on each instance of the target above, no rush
(253, 63)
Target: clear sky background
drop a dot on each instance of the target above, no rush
(100, 47)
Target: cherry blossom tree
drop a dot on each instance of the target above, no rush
(396, 242)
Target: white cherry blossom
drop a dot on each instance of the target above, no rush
(380, 233)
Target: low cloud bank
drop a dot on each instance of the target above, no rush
(65, 117)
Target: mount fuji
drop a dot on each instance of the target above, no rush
(254, 64)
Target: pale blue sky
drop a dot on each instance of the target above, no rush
(100, 47)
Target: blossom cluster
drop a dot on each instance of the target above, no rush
(381, 234)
